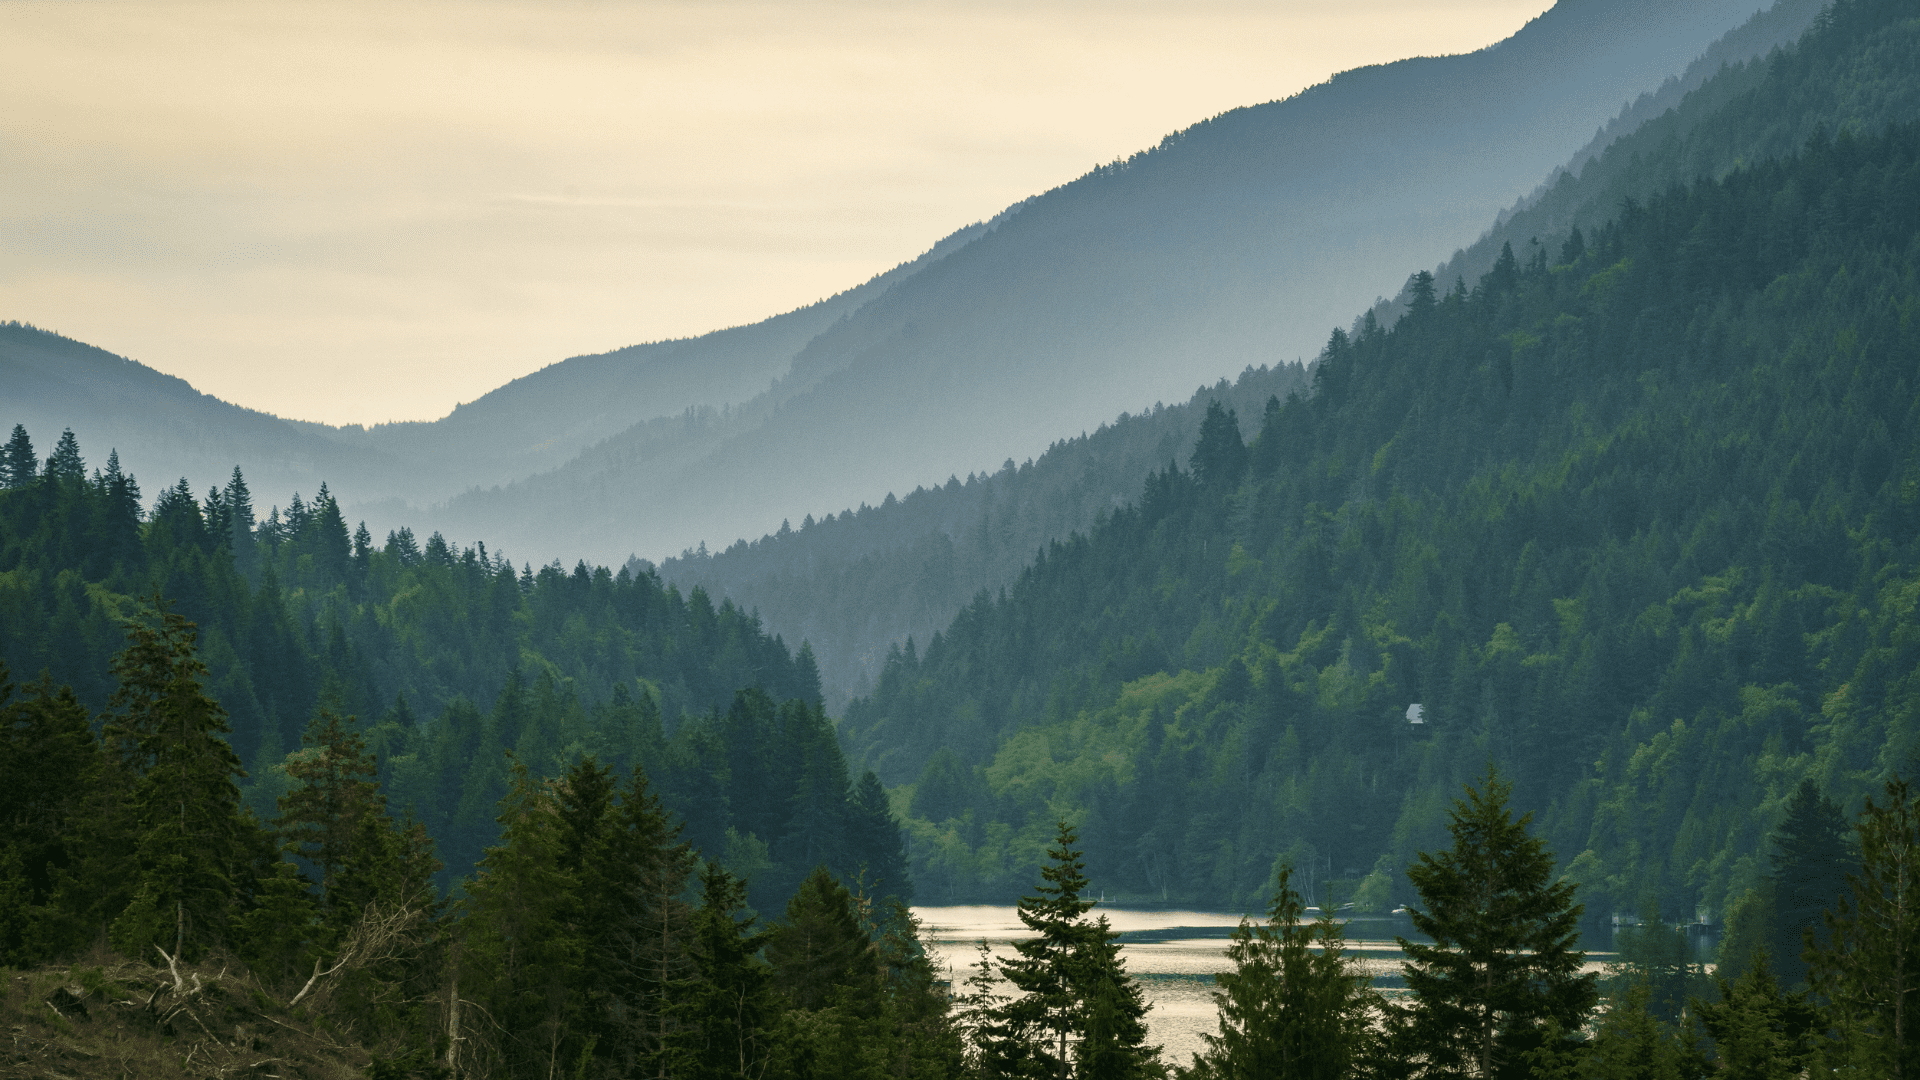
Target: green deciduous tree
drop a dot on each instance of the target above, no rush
(1503, 961)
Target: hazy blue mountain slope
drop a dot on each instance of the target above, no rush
(856, 583)
(1747, 112)
(162, 427)
(1234, 243)
(542, 420)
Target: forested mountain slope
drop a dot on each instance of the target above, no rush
(900, 575)
(1231, 244)
(1749, 111)
(451, 657)
(161, 426)
(1635, 517)
(853, 583)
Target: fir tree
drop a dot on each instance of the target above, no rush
(194, 847)
(1075, 997)
(66, 464)
(874, 842)
(1870, 966)
(1502, 963)
(820, 952)
(1292, 1007)
(1220, 456)
(1812, 855)
(726, 1012)
(1760, 1032)
(20, 468)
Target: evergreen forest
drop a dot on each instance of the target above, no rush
(1571, 608)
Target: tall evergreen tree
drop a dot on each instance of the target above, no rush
(49, 760)
(726, 1012)
(195, 849)
(1079, 1013)
(1760, 1031)
(1220, 456)
(874, 841)
(1813, 853)
(240, 524)
(1870, 965)
(20, 468)
(1503, 962)
(66, 464)
(1292, 1008)
(524, 952)
(820, 952)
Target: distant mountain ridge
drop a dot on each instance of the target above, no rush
(1232, 244)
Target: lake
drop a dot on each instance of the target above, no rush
(1174, 954)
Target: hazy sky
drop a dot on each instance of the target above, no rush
(355, 212)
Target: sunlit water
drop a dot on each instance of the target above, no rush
(1174, 954)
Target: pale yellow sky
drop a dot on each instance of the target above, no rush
(356, 212)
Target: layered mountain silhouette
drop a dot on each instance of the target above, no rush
(1237, 242)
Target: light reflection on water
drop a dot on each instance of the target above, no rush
(1174, 954)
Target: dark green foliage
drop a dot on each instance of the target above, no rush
(875, 848)
(1657, 961)
(1870, 966)
(48, 762)
(1220, 456)
(1547, 513)
(1078, 1012)
(725, 1015)
(1760, 1032)
(1502, 964)
(1813, 852)
(820, 953)
(194, 849)
(1293, 1007)
(20, 466)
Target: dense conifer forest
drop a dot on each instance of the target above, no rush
(1634, 515)
(1580, 596)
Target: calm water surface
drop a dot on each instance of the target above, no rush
(1174, 954)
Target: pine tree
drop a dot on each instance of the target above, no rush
(49, 764)
(20, 468)
(1077, 1005)
(320, 818)
(1632, 1043)
(66, 464)
(639, 927)
(726, 1012)
(820, 953)
(240, 523)
(1292, 1007)
(1813, 852)
(1760, 1032)
(1870, 966)
(1113, 1013)
(524, 949)
(1502, 963)
(194, 847)
(874, 841)
(1220, 456)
